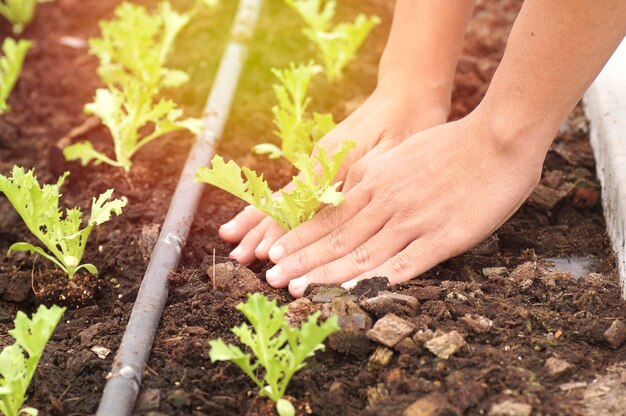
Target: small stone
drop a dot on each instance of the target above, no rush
(434, 404)
(421, 337)
(149, 400)
(510, 408)
(477, 323)
(390, 330)
(179, 399)
(525, 274)
(87, 335)
(235, 279)
(427, 293)
(616, 334)
(353, 321)
(299, 310)
(101, 352)
(389, 302)
(445, 345)
(556, 367)
(377, 393)
(148, 238)
(379, 359)
(494, 271)
(573, 385)
(546, 198)
(406, 346)
(326, 294)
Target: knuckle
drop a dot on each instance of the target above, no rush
(328, 217)
(386, 196)
(337, 240)
(361, 257)
(298, 265)
(399, 263)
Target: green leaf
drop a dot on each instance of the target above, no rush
(11, 65)
(276, 348)
(339, 46)
(269, 149)
(38, 206)
(317, 14)
(18, 12)
(137, 43)
(133, 118)
(19, 361)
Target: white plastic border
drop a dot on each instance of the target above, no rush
(605, 106)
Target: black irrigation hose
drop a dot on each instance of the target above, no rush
(124, 380)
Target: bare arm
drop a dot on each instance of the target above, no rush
(413, 93)
(445, 189)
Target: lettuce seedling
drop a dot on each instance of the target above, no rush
(137, 43)
(317, 16)
(340, 45)
(127, 111)
(288, 208)
(11, 67)
(39, 208)
(297, 131)
(275, 347)
(19, 12)
(19, 361)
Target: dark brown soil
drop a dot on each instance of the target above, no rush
(536, 314)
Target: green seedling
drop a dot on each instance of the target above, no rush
(312, 187)
(137, 43)
(11, 64)
(19, 12)
(297, 131)
(275, 348)
(62, 237)
(19, 361)
(317, 14)
(340, 45)
(133, 118)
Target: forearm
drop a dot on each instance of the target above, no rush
(423, 48)
(555, 51)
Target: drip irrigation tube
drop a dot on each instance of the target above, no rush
(124, 380)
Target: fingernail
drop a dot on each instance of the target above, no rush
(276, 252)
(273, 274)
(350, 284)
(236, 252)
(261, 246)
(228, 226)
(299, 284)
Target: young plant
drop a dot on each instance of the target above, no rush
(297, 131)
(137, 43)
(62, 237)
(275, 347)
(10, 67)
(127, 111)
(288, 208)
(340, 45)
(19, 12)
(317, 15)
(19, 361)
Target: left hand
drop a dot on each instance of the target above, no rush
(432, 197)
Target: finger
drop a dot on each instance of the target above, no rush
(363, 259)
(235, 230)
(244, 252)
(320, 225)
(338, 243)
(272, 234)
(357, 170)
(417, 258)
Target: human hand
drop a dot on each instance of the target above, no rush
(434, 196)
(380, 123)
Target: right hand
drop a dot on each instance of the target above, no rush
(382, 122)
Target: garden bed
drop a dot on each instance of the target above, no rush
(536, 314)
